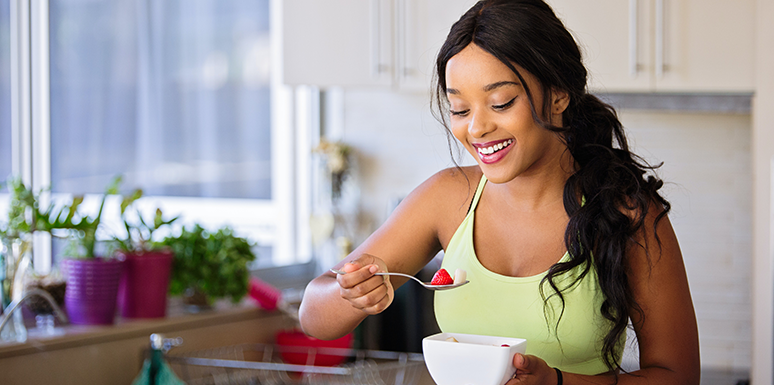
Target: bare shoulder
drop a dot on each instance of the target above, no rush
(451, 189)
(446, 197)
(424, 221)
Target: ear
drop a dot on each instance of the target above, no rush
(559, 101)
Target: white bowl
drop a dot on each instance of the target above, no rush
(473, 360)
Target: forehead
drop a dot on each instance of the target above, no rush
(475, 68)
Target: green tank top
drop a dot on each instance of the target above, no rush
(499, 305)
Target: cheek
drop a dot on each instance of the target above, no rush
(459, 129)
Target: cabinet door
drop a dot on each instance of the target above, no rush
(422, 27)
(338, 42)
(707, 45)
(615, 39)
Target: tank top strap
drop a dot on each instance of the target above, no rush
(479, 191)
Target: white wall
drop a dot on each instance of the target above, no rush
(706, 160)
(399, 145)
(763, 197)
(709, 183)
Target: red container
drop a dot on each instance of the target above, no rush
(297, 348)
(142, 292)
(92, 290)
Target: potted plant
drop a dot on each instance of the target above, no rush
(209, 265)
(26, 217)
(142, 292)
(92, 279)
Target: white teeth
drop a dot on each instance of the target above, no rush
(497, 147)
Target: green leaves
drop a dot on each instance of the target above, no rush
(26, 216)
(139, 232)
(215, 263)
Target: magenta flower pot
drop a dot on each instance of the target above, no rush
(92, 290)
(142, 292)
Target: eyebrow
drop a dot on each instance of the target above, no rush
(487, 88)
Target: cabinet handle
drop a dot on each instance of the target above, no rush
(403, 32)
(633, 38)
(376, 41)
(660, 66)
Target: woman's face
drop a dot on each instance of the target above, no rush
(491, 116)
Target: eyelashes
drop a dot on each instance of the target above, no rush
(505, 105)
(498, 107)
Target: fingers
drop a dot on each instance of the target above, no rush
(371, 302)
(531, 370)
(364, 290)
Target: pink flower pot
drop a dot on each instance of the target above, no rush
(92, 290)
(144, 284)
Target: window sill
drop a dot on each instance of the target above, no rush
(176, 320)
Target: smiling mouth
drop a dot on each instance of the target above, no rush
(494, 148)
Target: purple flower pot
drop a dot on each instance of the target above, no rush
(92, 290)
(144, 284)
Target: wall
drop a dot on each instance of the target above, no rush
(708, 181)
(706, 162)
(763, 215)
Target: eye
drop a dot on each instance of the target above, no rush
(458, 113)
(505, 105)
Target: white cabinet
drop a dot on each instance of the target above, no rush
(365, 42)
(664, 45)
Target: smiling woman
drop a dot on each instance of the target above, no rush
(563, 231)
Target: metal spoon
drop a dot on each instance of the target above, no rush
(424, 284)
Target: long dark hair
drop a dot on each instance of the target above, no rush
(613, 182)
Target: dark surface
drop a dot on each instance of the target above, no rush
(711, 376)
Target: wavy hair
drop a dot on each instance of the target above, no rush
(615, 183)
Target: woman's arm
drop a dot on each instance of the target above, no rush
(666, 330)
(334, 305)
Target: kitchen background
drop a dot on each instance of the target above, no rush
(693, 81)
(682, 74)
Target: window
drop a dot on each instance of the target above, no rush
(182, 98)
(175, 95)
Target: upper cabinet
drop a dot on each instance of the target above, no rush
(664, 45)
(365, 42)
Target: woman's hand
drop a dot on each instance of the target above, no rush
(365, 291)
(532, 370)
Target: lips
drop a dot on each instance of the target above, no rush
(492, 152)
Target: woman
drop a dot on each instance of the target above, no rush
(563, 234)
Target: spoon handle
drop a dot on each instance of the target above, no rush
(403, 275)
(424, 284)
(340, 272)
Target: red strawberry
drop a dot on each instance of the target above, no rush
(442, 277)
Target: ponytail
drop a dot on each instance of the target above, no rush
(607, 200)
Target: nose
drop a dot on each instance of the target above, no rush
(479, 124)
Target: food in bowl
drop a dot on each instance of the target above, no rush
(469, 359)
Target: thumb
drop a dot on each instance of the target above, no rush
(521, 362)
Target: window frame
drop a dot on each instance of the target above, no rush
(278, 222)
